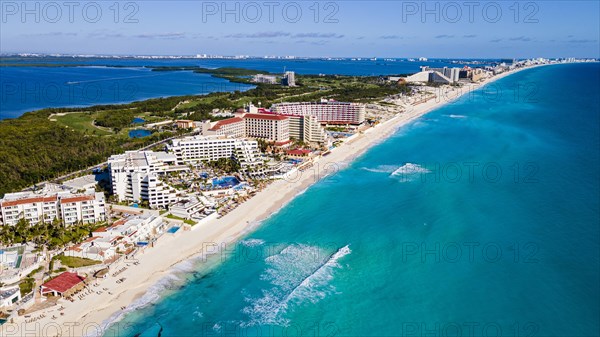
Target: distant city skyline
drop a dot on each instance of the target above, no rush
(304, 29)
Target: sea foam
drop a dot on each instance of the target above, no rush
(252, 242)
(298, 274)
(408, 172)
(456, 116)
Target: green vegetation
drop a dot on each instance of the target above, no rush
(115, 119)
(34, 148)
(82, 122)
(35, 271)
(187, 221)
(175, 217)
(26, 286)
(46, 144)
(227, 165)
(51, 235)
(75, 262)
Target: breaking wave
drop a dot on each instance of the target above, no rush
(408, 172)
(381, 169)
(404, 173)
(298, 274)
(252, 242)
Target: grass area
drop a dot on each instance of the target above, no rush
(35, 271)
(26, 286)
(76, 262)
(186, 221)
(83, 122)
(174, 217)
(206, 99)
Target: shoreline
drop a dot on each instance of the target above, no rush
(104, 310)
(16, 114)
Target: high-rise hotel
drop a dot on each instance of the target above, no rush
(326, 112)
(135, 176)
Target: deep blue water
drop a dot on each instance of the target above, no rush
(405, 240)
(301, 66)
(225, 182)
(26, 89)
(139, 133)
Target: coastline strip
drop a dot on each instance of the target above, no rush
(156, 263)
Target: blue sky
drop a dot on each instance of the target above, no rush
(304, 28)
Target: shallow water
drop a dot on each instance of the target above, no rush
(486, 224)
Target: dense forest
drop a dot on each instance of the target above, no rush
(34, 149)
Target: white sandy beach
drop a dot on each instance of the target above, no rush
(83, 317)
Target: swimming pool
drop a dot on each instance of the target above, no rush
(173, 229)
(225, 182)
(139, 133)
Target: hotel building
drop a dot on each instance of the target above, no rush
(267, 126)
(262, 78)
(134, 176)
(289, 79)
(435, 75)
(326, 112)
(234, 127)
(210, 148)
(185, 124)
(307, 129)
(270, 127)
(88, 208)
(52, 203)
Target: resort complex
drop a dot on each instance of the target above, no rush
(326, 112)
(203, 177)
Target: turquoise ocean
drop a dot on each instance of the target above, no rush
(478, 219)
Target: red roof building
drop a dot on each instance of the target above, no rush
(77, 199)
(25, 201)
(61, 284)
(227, 121)
(298, 152)
(271, 117)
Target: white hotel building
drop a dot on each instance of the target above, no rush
(88, 208)
(210, 148)
(326, 112)
(134, 176)
(270, 127)
(52, 203)
(233, 127)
